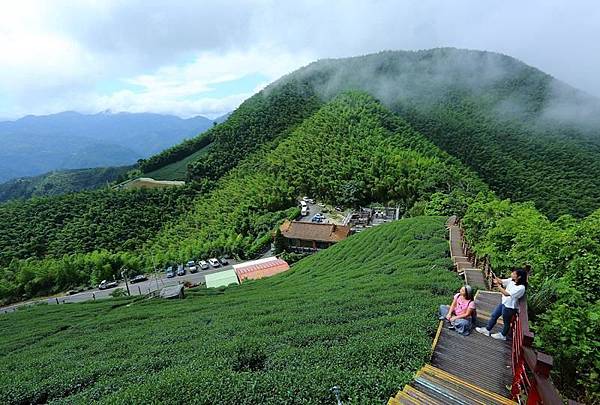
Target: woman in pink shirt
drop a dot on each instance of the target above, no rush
(461, 313)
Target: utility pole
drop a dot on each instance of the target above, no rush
(126, 283)
(155, 273)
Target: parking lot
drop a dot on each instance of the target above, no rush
(331, 216)
(155, 282)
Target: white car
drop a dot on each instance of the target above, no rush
(107, 284)
(203, 264)
(191, 265)
(304, 211)
(214, 262)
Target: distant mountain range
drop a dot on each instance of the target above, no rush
(34, 145)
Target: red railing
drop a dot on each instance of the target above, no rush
(530, 368)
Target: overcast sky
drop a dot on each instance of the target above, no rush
(189, 57)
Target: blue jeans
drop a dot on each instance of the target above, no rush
(506, 313)
(462, 326)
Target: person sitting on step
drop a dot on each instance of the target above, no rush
(461, 313)
(512, 289)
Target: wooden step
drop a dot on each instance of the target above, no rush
(402, 398)
(462, 388)
(460, 266)
(421, 397)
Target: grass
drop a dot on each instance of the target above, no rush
(360, 315)
(177, 170)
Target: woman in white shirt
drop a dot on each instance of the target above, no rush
(512, 289)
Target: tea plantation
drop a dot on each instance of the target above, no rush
(360, 315)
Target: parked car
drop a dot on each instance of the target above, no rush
(107, 284)
(214, 262)
(304, 211)
(223, 261)
(203, 265)
(170, 272)
(310, 201)
(181, 270)
(139, 278)
(338, 208)
(191, 265)
(318, 218)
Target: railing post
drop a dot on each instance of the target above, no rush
(543, 364)
(527, 339)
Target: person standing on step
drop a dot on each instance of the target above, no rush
(461, 312)
(512, 289)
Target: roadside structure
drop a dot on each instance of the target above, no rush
(257, 269)
(221, 279)
(302, 236)
(147, 182)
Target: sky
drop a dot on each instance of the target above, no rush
(188, 58)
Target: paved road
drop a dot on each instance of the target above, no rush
(154, 282)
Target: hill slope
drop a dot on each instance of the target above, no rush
(365, 154)
(351, 152)
(528, 135)
(38, 144)
(358, 315)
(60, 182)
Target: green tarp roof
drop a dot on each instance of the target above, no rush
(220, 279)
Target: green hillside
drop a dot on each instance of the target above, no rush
(528, 135)
(81, 223)
(262, 118)
(384, 160)
(359, 315)
(351, 152)
(60, 182)
(428, 131)
(178, 170)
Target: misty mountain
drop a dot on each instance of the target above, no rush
(38, 144)
(530, 136)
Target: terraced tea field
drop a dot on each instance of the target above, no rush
(360, 315)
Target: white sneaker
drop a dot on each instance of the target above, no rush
(483, 331)
(499, 336)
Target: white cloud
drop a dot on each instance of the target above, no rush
(53, 54)
(179, 89)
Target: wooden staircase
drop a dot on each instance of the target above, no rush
(474, 369)
(436, 387)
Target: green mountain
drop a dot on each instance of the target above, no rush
(60, 182)
(351, 152)
(342, 317)
(528, 135)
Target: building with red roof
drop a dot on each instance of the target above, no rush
(257, 269)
